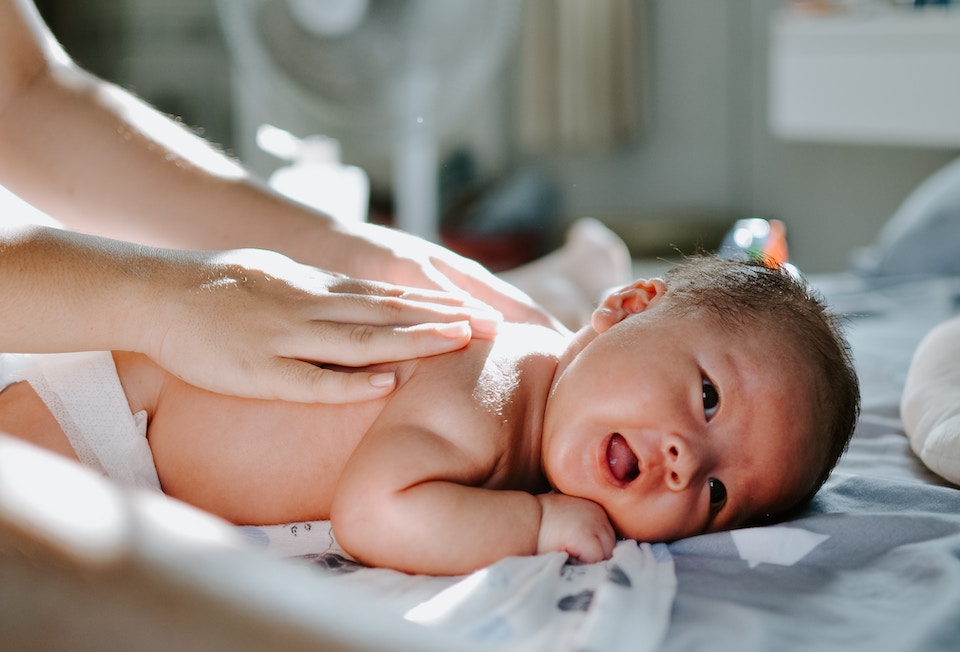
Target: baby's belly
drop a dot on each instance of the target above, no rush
(254, 462)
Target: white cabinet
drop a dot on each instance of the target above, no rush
(887, 76)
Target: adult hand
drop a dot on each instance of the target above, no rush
(375, 252)
(255, 322)
(245, 322)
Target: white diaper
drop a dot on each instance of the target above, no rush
(84, 394)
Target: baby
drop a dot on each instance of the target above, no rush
(717, 397)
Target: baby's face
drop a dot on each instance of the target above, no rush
(677, 427)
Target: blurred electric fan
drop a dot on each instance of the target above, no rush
(387, 78)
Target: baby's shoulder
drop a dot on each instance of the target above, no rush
(487, 378)
(493, 365)
(482, 400)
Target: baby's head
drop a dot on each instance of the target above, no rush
(719, 396)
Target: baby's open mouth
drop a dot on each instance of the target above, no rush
(623, 463)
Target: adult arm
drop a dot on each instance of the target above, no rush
(102, 162)
(238, 322)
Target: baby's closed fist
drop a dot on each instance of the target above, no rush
(576, 526)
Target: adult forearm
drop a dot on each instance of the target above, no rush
(65, 291)
(101, 161)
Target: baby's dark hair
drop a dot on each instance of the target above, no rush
(739, 292)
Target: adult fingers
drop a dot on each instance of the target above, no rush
(512, 302)
(451, 296)
(303, 382)
(378, 310)
(350, 345)
(440, 294)
(356, 345)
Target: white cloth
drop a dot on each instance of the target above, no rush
(84, 394)
(535, 603)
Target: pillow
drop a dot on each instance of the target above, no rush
(923, 236)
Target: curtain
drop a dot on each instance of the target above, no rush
(580, 79)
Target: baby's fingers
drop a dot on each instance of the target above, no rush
(608, 541)
(594, 547)
(596, 539)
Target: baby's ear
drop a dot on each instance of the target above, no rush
(628, 300)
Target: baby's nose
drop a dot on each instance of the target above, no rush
(681, 461)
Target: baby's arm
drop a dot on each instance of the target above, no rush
(409, 500)
(930, 407)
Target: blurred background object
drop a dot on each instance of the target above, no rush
(391, 83)
(653, 116)
(316, 175)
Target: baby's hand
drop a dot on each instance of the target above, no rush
(576, 526)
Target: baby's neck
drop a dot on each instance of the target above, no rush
(574, 345)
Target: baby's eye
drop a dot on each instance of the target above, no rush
(711, 398)
(718, 495)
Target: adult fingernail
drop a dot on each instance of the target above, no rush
(484, 326)
(454, 330)
(383, 380)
